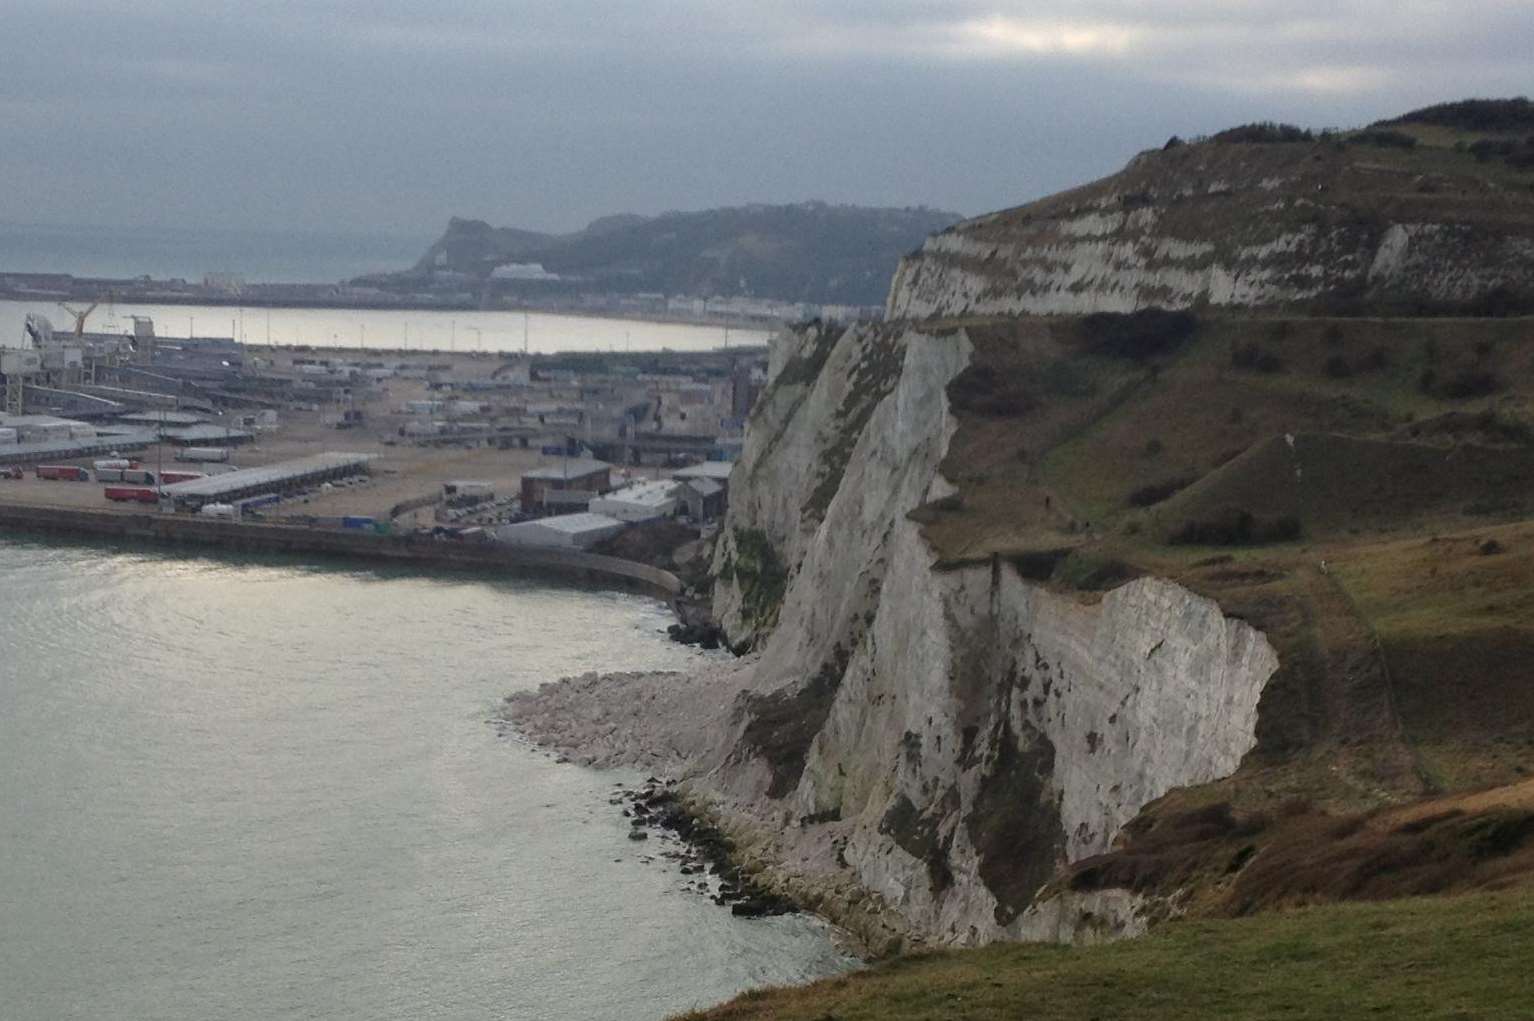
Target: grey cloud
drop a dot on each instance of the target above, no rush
(392, 115)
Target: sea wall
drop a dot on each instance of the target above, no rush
(249, 537)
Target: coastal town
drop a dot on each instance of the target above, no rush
(558, 451)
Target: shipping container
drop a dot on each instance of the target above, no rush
(113, 462)
(132, 494)
(141, 476)
(110, 474)
(63, 472)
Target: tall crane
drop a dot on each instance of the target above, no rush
(79, 317)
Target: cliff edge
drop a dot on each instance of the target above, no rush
(1172, 530)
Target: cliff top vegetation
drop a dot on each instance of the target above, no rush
(1449, 957)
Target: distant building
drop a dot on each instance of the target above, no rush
(702, 498)
(707, 488)
(568, 531)
(719, 471)
(580, 475)
(641, 501)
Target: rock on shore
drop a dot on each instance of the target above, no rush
(665, 721)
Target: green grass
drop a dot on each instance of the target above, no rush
(1452, 957)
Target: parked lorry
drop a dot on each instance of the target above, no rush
(137, 476)
(132, 494)
(63, 472)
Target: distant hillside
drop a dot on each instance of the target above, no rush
(1431, 212)
(810, 252)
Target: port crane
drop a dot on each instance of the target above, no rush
(80, 317)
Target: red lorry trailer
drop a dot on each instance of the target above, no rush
(132, 494)
(63, 472)
(169, 477)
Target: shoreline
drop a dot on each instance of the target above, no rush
(676, 725)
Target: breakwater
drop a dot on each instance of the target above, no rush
(264, 537)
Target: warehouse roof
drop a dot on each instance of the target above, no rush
(704, 486)
(649, 493)
(564, 470)
(577, 524)
(719, 471)
(269, 477)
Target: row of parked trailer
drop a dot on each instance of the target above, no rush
(112, 470)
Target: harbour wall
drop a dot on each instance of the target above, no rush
(242, 537)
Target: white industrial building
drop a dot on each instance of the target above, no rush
(43, 429)
(567, 531)
(719, 471)
(640, 501)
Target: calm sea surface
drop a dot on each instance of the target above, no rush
(247, 788)
(288, 257)
(364, 330)
(190, 253)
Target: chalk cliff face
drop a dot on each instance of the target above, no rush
(1233, 225)
(964, 731)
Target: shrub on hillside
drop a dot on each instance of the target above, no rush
(1514, 114)
(1255, 357)
(1138, 335)
(981, 390)
(1264, 132)
(1470, 383)
(1149, 496)
(1236, 526)
(1337, 367)
(1384, 139)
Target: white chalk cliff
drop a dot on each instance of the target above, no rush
(962, 732)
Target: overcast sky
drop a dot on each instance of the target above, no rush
(386, 116)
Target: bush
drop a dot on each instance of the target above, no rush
(1149, 496)
(1138, 335)
(1254, 356)
(981, 390)
(1514, 114)
(1384, 139)
(1337, 367)
(1471, 383)
(1236, 526)
(1488, 149)
(1264, 132)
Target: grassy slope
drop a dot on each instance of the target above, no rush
(1406, 664)
(1462, 957)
